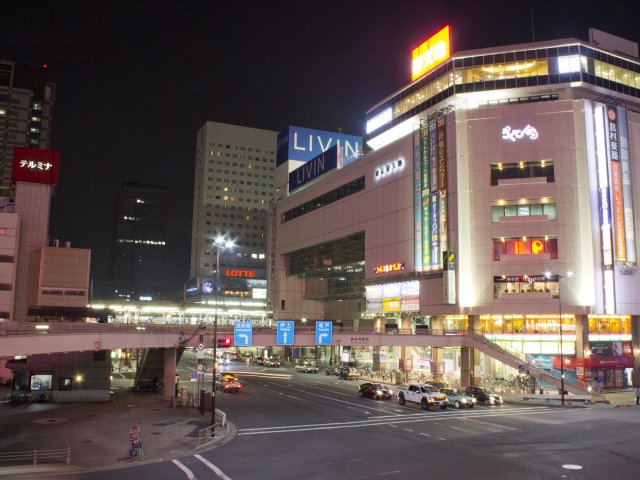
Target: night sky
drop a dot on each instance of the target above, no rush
(136, 80)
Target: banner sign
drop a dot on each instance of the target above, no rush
(314, 168)
(304, 144)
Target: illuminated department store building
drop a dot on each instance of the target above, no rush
(521, 166)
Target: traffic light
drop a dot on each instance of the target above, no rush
(225, 342)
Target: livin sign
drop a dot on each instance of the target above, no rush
(513, 135)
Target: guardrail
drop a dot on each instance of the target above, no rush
(33, 456)
(204, 435)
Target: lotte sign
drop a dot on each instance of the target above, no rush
(240, 273)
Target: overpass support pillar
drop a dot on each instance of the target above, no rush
(466, 366)
(169, 373)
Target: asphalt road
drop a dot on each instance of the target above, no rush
(311, 426)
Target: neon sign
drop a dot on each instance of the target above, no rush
(431, 53)
(240, 273)
(389, 267)
(537, 247)
(513, 135)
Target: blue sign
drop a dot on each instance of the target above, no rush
(320, 165)
(324, 333)
(303, 144)
(284, 332)
(242, 334)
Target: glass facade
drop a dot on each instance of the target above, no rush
(523, 210)
(334, 195)
(524, 68)
(510, 171)
(330, 270)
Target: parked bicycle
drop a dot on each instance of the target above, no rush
(137, 450)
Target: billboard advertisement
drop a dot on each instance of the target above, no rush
(35, 166)
(430, 53)
(304, 144)
(314, 168)
(627, 191)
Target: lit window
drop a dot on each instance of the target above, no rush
(569, 64)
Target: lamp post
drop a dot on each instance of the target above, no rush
(568, 275)
(220, 243)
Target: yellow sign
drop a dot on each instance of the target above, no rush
(430, 54)
(391, 305)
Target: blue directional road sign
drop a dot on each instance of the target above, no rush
(324, 333)
(242, 334)
(284, 333)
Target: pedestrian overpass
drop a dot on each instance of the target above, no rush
(45, 338)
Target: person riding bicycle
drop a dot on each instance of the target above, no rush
(135, 438)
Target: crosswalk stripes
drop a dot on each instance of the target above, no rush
(189, 473)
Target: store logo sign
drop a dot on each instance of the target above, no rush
(511, 134)
(389, 168)
(431, 53)
(389, 267)
(240, 273)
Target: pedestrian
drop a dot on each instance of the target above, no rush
(638, 395)
(135, 437)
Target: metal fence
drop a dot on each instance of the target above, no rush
(34, 456)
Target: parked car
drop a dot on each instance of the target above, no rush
(424, 394)
(457, 399)
(257, 360)
(348, 373)
(306, 368)
(271, 362)
(484, 395)
(375, 391)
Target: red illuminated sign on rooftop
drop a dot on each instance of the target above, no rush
(35, 166)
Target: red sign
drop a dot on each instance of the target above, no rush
(390, 267)
(240, 273)
(35, 166)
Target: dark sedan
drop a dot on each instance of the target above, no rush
(375, 391)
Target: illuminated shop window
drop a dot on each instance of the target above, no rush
(606, 324)
(519, 284)
(510, 171)
(548, 209)
(529, 246)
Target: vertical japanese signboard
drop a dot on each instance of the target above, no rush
(627, 190)
(417, 202)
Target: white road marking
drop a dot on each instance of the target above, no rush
(356, 460)
(181, 466)
(217, 471)
(425, 434)
(440, 438)
(407, 430)
(389, 421)
(390, 473)
(570, 466)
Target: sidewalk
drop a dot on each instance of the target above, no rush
(624, 398)
(98, 432)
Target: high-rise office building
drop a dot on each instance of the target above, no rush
(234, 181)
(26, 103)
(139, 247)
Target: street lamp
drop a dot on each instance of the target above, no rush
(221, 244)
(558, 277)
